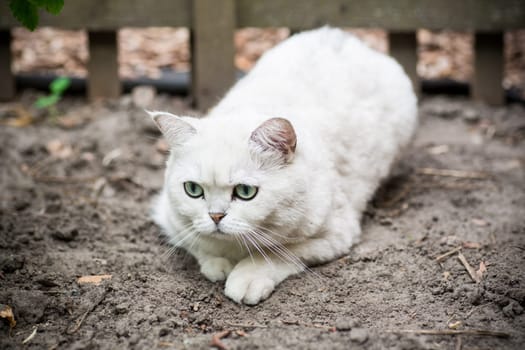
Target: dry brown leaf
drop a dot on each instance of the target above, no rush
(21, 119)
(241, 333)
(438, 150)
(471, 245)
(450, 240)
(69, 121)
(479, 222)
(93, 279)
(7, 313)
(166, 344)
(454, 325)
(216, 340)
(482, 269)
(59, 149)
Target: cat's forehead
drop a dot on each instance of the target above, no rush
(216, 161)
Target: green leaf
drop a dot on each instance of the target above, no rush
(25, 12)
(59, 85)
(51, 6)
(54, 6)
(47, 101)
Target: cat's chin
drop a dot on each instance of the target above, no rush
(221, 235)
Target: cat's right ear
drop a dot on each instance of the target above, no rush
(274, 142)
(175, 130)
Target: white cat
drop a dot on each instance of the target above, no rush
(277, 175)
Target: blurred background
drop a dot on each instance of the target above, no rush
(152, 52)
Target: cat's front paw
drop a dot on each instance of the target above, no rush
(248, 288)
(216, 269)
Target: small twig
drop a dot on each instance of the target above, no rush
(449, 186)
(245, 325)
(447, 254)
(216, 340)
(475, 277)
(92, 307)
(166, 344)
(464, 174)
(310, 325)
(474, 309)
(31, 336)
(481, 332)
(291, 322)
(110, 156)
(322, 326)
(458, 344)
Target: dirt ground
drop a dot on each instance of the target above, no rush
(74, 201)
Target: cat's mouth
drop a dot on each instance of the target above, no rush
(223, 235)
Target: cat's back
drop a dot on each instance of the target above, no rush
(323, 68)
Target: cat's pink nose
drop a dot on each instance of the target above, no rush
(216, 217)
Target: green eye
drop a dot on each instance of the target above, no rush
(193, 189)
(245, 192)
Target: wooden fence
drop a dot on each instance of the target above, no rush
(213, 22)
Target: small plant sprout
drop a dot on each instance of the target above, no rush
(57, 88)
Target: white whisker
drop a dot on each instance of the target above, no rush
(185, 235)
(175, 242)
(247, 247)
(253, 240)
(285, 254)
(273, 233)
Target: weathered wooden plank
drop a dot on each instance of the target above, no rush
(400, 15)
(488, 68)
(103, 80)
(7, 80)
(403, 47)
(213, 52)
(110, 14)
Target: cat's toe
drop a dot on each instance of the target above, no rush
(248, 290)
(258, 290)
(216, 269)
(236, 287)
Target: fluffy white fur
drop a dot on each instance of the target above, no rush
(352, 110)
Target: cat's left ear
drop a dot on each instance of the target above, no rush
(274, 140)
(175, 130)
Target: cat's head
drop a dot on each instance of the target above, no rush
(229, 179)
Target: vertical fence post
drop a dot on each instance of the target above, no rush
(488, 68)
(213, 70)
(103, 80)
(403, 47)
(7, 80)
